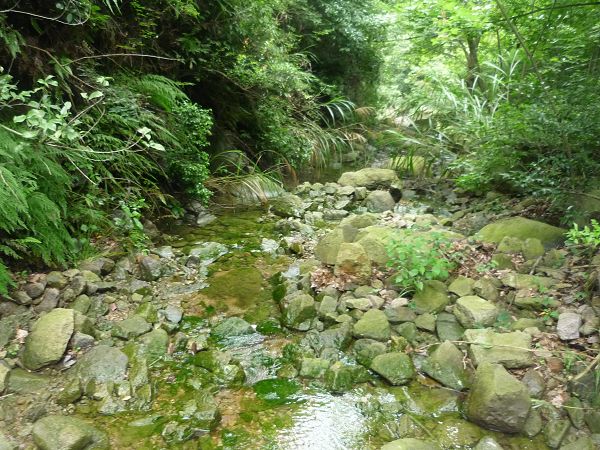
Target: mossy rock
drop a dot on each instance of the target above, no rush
(522, 228)
(371, 178)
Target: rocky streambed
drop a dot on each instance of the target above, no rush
(283, 328)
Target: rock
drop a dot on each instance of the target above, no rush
(154, 345)
(102, 364)
(568, 326)
(524, 323)
(407, 330)
(48, 339)
(353, 260)
(446, 366)
(339, 377)
(327, 248)
(151, 268)
(328, 306)
(524, 300)
(488, 443)
(456, 433)
(487, 288)
(56, 280)
(410, 444)
(462, 286)
(4, 371)
(575, 409)
(99, 266)
(231, 327)
(474, 312)
(363, 304)
(21, 298)
(370, 178)
(172, 314)
(555, 431)
(131, 328)
(527, 282)
(426, 322)
(206, 253)
(82, 341)
(583, 443)
(366, 349)
(397, 368)
(67, 433)
(497, 400)
(49, 301)
(287, 205)
(534, 382)
(512, 350)
(335, 214)
(373, 325)
(432, 299)
(533, 424)
(379, 201)
(313, 367)
(522, 228)
(398, 313)
(20, 381)
(34, 289)
(448, 328)
(298, 312)
(165, 252)
(82, 304)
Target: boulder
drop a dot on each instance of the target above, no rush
(366, 349)
(102, 364)
(353, 260)
(19, 381)
(298, 312)
(488, 443)
(379, 201)
(151, 268)
(373, 325)
(231, 327)
(397, 368)
(497, 400)
(512, 350)
(48, 339)
(370, 178)
(410, 444)
(131, 328)
(462, 286)
(448, 328)
(446, 366)
(433, 298)
(67, 433)
(287, 205)
(522, 228)
(472, 312)
(327, 248)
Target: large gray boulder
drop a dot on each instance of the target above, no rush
(67, 433)
(497, 400)
(48, 339)
(370, 178)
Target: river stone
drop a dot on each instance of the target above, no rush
(100, 266)
(583, 443)
(568, 326)
(373, 325)
(533, 424)
(473, 311)
(462, 286)
(509, 349)
(487, 289)
(398, 313)
(299, 312)
(370, 178)
(20, 381)
(379, 201)
(497, 400)
(48, 339)
(488, 443)
(339, 377)
(287, 205)
(397, 368)
(359, 221)
(432, 299)
(131, 328)
(313, 367)
(457, 433)
(4, 371)
(523, 229)
(353, 260)
(102, 364)
(555, 431)
(231, 327)
(81, 304)
(575, 409)
(151, 268)
(448, 328)
(154, 345)
(426, 322)
(67, 433)
(534, 382)
(410, 444)
(56, 280)
(446, 366)
(367, 349)
(527, 282)
(327, 248)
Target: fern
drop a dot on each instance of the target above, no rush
(160, 91)
(5, 280)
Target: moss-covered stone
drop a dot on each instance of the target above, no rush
(397, 368)
(522, 228)
(433, 298)
(446, 366)
(512, 350)
(474, 312)
(48, 339)
(373, 325)
(370, 178)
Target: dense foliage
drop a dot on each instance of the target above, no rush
(115, 106)
(509, 87)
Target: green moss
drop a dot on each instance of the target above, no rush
(277, 391)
